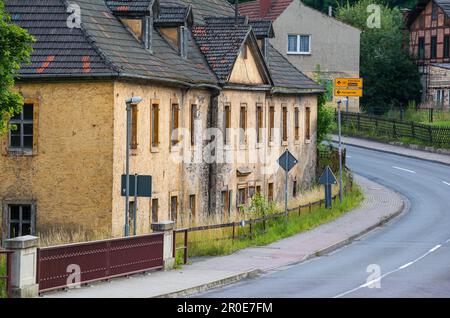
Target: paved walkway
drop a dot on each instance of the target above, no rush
(412, 153)
(380, 204)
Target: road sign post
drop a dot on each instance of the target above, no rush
(287, 161)
(327, 180)
(340, 150)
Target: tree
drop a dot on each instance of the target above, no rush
(15, 49)
(391, 79)
(325, 115)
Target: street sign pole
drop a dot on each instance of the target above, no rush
(127, 170)
(286, 187)
(135, 203)
(340, 151)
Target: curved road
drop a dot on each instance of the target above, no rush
(409, 257)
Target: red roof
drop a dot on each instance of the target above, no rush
(253, 10)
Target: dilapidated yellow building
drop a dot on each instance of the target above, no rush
(219, 106)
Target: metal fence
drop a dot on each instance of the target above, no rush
(356, 122)
(58, 266)
(235, 226)
(5, 277)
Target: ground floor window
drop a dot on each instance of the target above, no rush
(155, 208)
(20, 220)
(174, 208)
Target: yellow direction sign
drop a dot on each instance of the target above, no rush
(350, 83)
(348, 92)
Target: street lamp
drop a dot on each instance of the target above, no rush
(129, 102)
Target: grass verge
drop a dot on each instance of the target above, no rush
(2, 273)
(219, 242)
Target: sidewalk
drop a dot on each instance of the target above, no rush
(398, 150)
(379, 206)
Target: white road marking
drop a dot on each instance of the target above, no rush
(403, 169)
(446, 183)
(391, 272)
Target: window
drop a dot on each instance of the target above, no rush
(243, 123)
(174, 207)
(134, 119)
(434, 12)
(421, 50)
(433, 47)
(226, 202)
(193, 118)
(192, 206)
(271, 122)
(284, 123)
(242, 197)
(258, 189)
(440, 96)
(446, 53)
(21, 133)
(259, 122)
(297, 123)
(308, 123)
(244, 52)
(175, 123)
(20, 220)
(155, 210)
(155, 125)
(251, 191)
(226, 123)
(299, 44)
(270, 192)
(294, 189)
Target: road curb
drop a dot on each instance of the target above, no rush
(219, 283)
(392, 152)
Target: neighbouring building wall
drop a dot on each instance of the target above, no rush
(335, 46)
(69, 176)
(259, 161)
(172, 175)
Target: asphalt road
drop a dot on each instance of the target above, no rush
(409, 257)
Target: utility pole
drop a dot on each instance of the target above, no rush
(340, 150)
(132, 101)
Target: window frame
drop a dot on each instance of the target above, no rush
(308, 124)
(154, 124)
(433, 47)
(193, 115)
(243, 124)
(226, 123)
(174, 122)
(446, 47)
(284, 123)
(272, 112)
(6, 215)
(259, 122)
(298, 49)
(421, 48)
(297, 123)
(21, 122)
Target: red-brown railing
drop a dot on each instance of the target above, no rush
(58, 266)
(7, 276)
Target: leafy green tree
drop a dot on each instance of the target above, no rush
(325, 114)
(15, 48)
(391, 79)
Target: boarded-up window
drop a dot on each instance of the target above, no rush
(134, 126)
(155, 125)
(174, 207)
(271, 122)
(226, 123)
(308, 123)
(175, 123)
(259, 123)
(192, 206)
(193, 119)
(284, 123)
(270, 192)
(297, 123)
(155, 210)
(243, 123)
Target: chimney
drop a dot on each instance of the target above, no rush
(264, 7)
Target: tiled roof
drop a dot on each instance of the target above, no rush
(170, 16)
(286, 76)
(252, 9)
(101, 47)
(204, 8)
(262, 28)
(220, 43)
(129, 6)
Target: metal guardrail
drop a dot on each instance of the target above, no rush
(7, 277)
